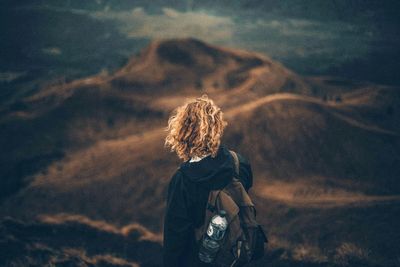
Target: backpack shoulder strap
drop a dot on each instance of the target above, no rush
(214, 194)
(236, 161)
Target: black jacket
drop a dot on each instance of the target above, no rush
(187, 198)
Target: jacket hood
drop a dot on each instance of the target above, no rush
(217, 170)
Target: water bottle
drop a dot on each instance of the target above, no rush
(210, 243)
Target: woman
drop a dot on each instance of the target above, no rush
(194, 133)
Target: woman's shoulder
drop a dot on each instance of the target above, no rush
(179, 179)
(177, 175)
(175, 183)
(245, 172)
(242, 159)
(175, 180)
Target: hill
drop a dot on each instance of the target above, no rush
(288, 136)
(41, 128)
(310, 166)
(325, 154)
(77, 241)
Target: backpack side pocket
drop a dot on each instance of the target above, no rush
(260, 239)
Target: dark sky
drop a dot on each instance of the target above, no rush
(52, 38)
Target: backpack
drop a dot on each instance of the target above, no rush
(244, 238)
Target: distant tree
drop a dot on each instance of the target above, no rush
(104, 72)
(198, 84)
(216, 84)
(314, 90)
(60, 80)
(110, 122)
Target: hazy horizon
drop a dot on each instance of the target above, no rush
(48, 40)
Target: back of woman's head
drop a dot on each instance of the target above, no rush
(195, 129)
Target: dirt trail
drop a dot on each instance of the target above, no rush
(362, 125)
(303, 194)
(268, 99)
(329, 108)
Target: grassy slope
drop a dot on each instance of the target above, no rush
(325, 171)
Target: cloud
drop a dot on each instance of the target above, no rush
(280, 37)
(291, 28)
(54, 51)
(283, 38)
(171, 23)
(10, 76)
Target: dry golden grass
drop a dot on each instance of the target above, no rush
(325, 172)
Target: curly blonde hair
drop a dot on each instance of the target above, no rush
(195, 129)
